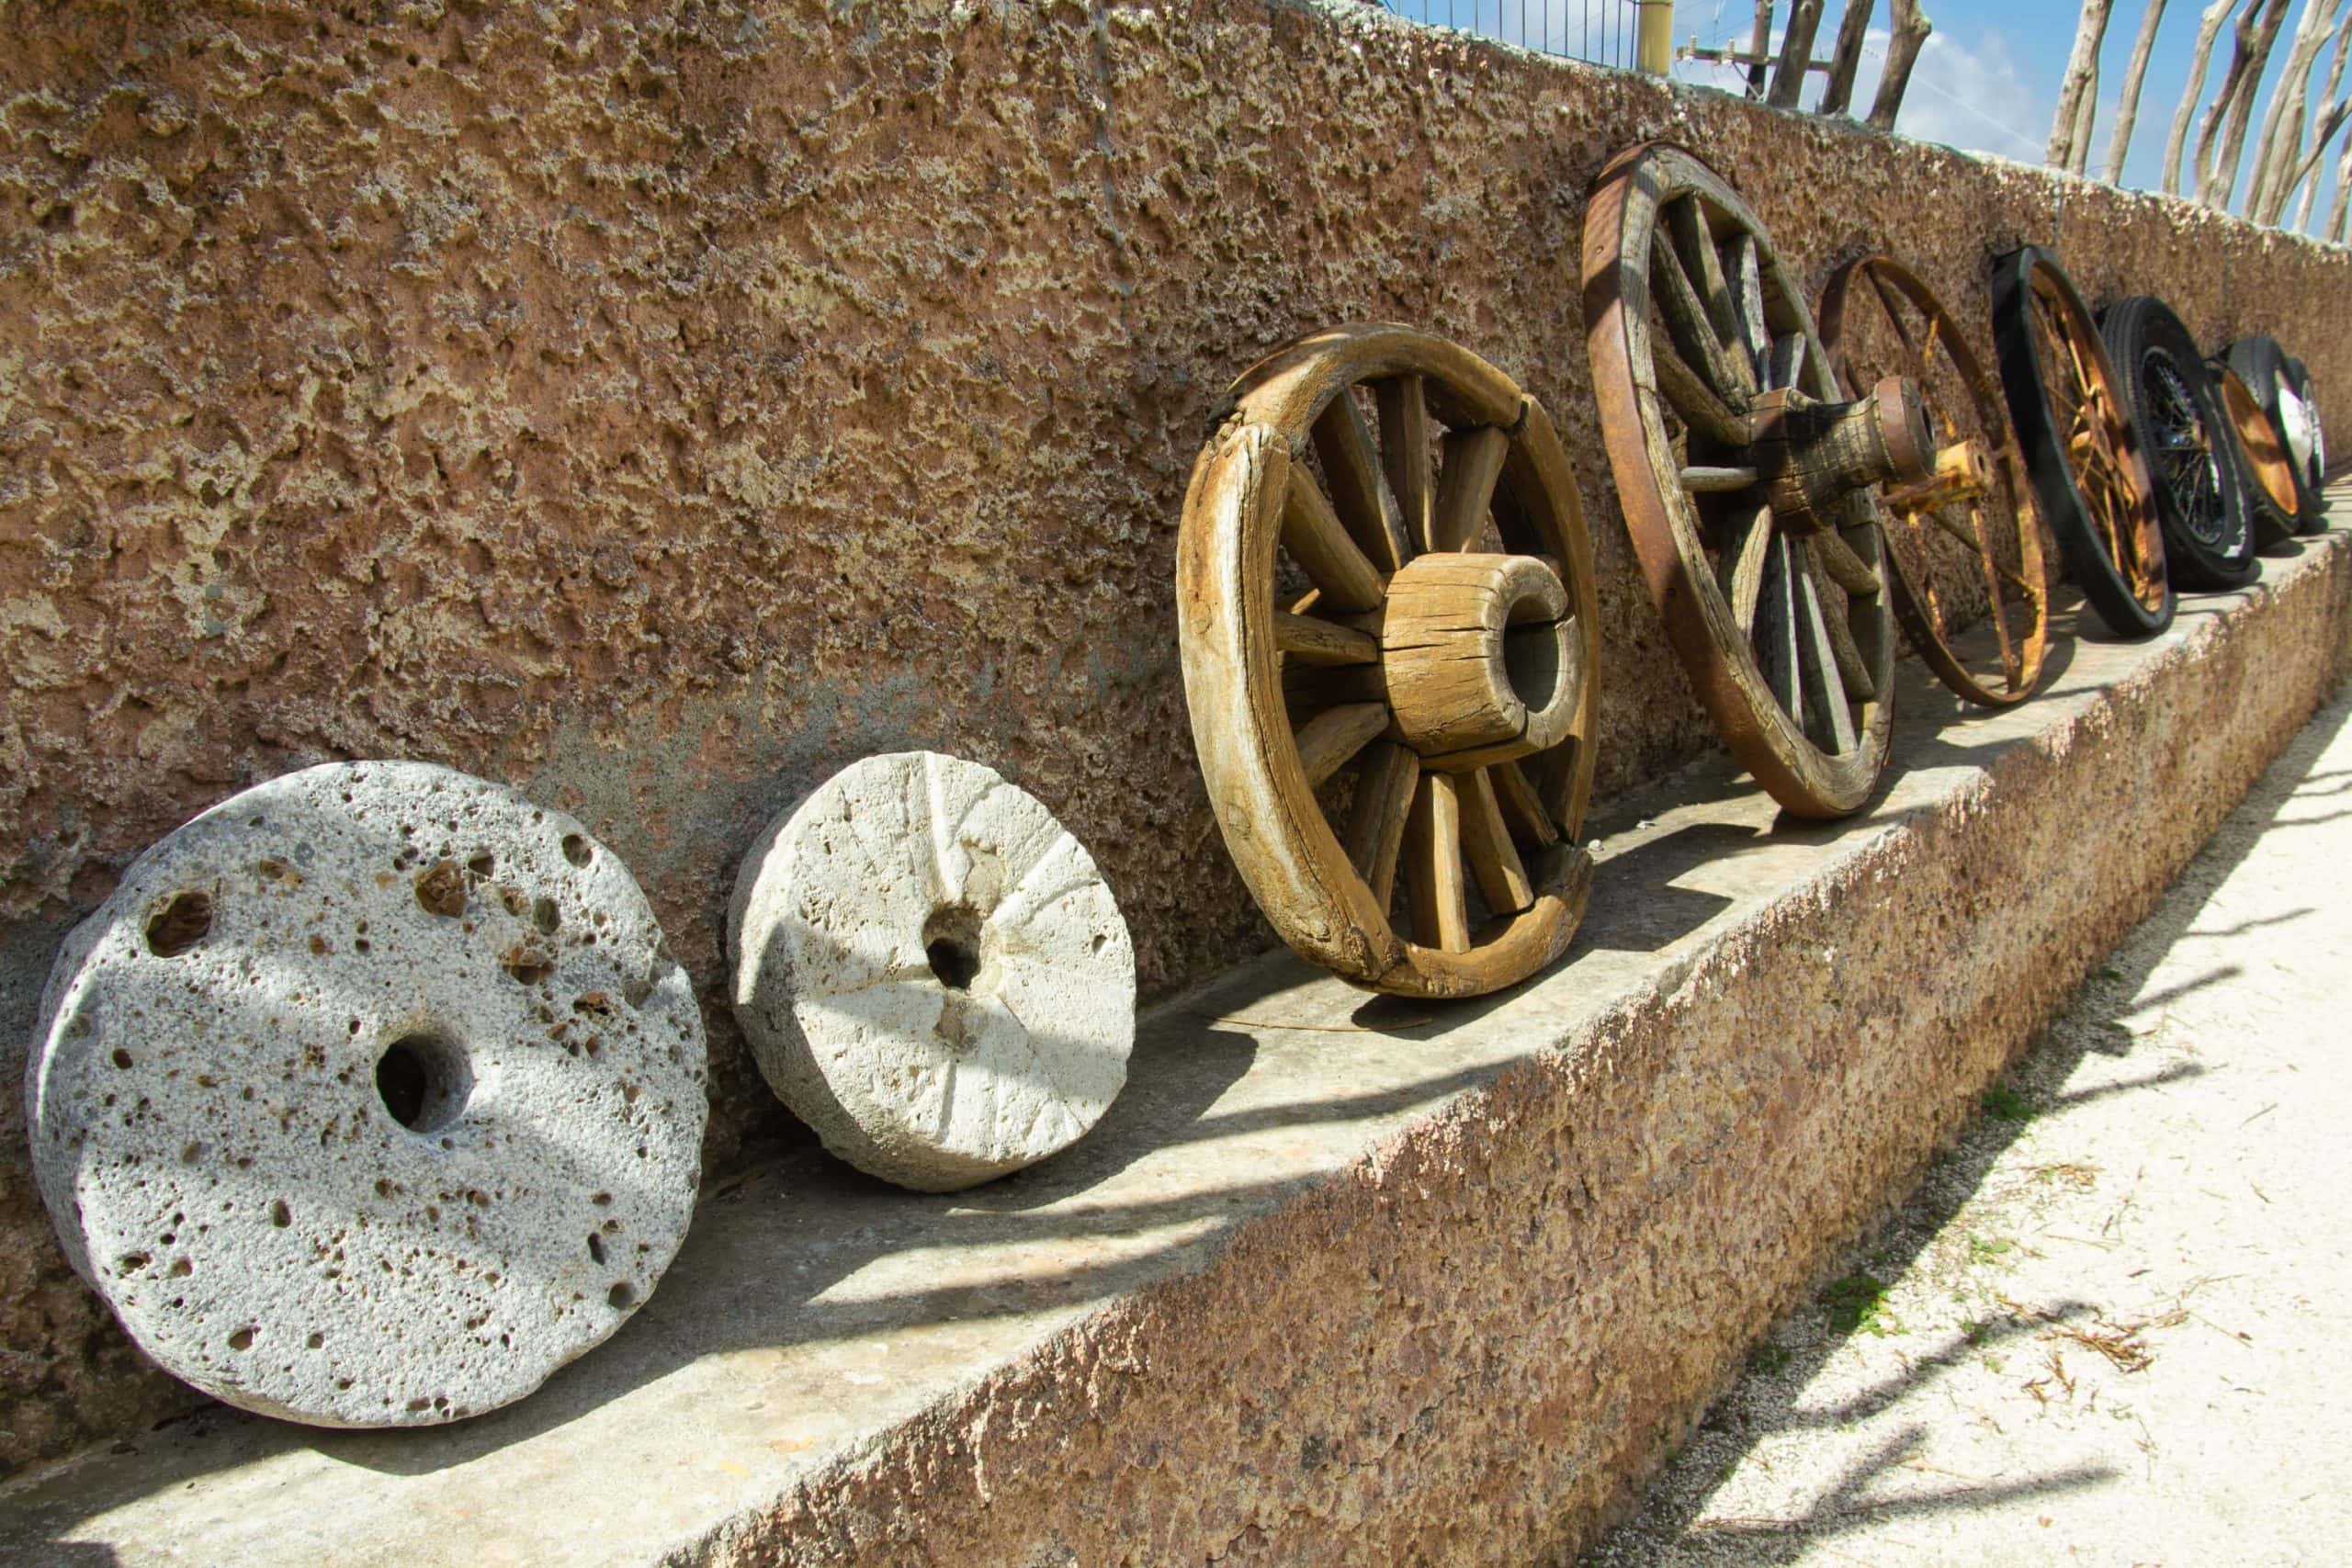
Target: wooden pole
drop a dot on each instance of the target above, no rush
(2127, 109)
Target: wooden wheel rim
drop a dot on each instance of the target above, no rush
(1880, 282)
(2266, 455)
(1261, 770)
(2087, 405)
(1664, 521)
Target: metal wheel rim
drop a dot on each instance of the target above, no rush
(1883, 280)
(1671, 528)
(1318, 890)
(2183, 461)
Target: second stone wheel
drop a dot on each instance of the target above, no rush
(1744, 473)
(1391, 650)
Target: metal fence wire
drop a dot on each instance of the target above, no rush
(1599, 33)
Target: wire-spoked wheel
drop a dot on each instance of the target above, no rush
(1744, 476)
(2080, 449)
(1967, 543)
(2200, 494)
(1391, 650)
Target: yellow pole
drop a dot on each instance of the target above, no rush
(1656, 50)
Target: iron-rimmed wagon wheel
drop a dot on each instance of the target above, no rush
(1744, 476)
(2075, 432)
(1975, 520)
(1382, 568)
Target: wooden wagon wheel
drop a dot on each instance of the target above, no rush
(1968, 540)
(1406, 621)
(2074, 430)
(1744, 474)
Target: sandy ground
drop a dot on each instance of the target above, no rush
(2110, 1328)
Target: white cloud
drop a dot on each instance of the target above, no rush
(1970, 96)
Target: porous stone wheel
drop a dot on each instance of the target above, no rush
(1391, 652)
(932, 972)
(370, 1097)
(2075, 432)
(1744, 476)
(1968, 542)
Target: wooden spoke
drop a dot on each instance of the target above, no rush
(1688, 395)
(1694, 248)
(1825, 690)
(1853, 670)
(1847, 569)
(1312, 641)
(1775, 632)
(1684, 315)
(1404, 452)
(1474, 461)
(1359, 493)
(1894, 313)
(1330, 740)
(1788, 360)
(1385, 788)
(1744, 576)
(1522, 808)
(1714, 482)
(1315, 540)
(1745, 277)
(1485, 844)
(1432, 864)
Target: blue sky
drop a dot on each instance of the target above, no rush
(1987, 81)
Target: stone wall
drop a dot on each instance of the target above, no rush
(657, 407)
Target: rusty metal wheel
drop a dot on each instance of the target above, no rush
(2075, 431)
(1744, 474)
(2272, 496)
(1391, 650)
(1967, 543)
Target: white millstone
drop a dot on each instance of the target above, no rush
(932, 972)
(370, 1097)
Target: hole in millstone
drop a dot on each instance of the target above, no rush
(575, 848)
(425, 1080)
(179, 924)
(620, 1295)
(279, 1214)
(950, 941)
(442, 890)
(595, 1247)
(242, 1340)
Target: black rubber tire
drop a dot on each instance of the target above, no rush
(2272, 526)
(2044, 450)
(2201, 505)
(2314, 518)
(2261, 364)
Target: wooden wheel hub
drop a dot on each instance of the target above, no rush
(1811, 456)
(1482, 658)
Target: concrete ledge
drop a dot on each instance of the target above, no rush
(1340, 1279)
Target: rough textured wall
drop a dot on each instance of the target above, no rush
(659, 406)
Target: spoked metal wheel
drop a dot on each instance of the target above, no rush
(2079, 446)
(2200, 494)
(1391, 646)
(1744, 476)
(1967, 543)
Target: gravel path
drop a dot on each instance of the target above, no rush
(2109, 1326)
